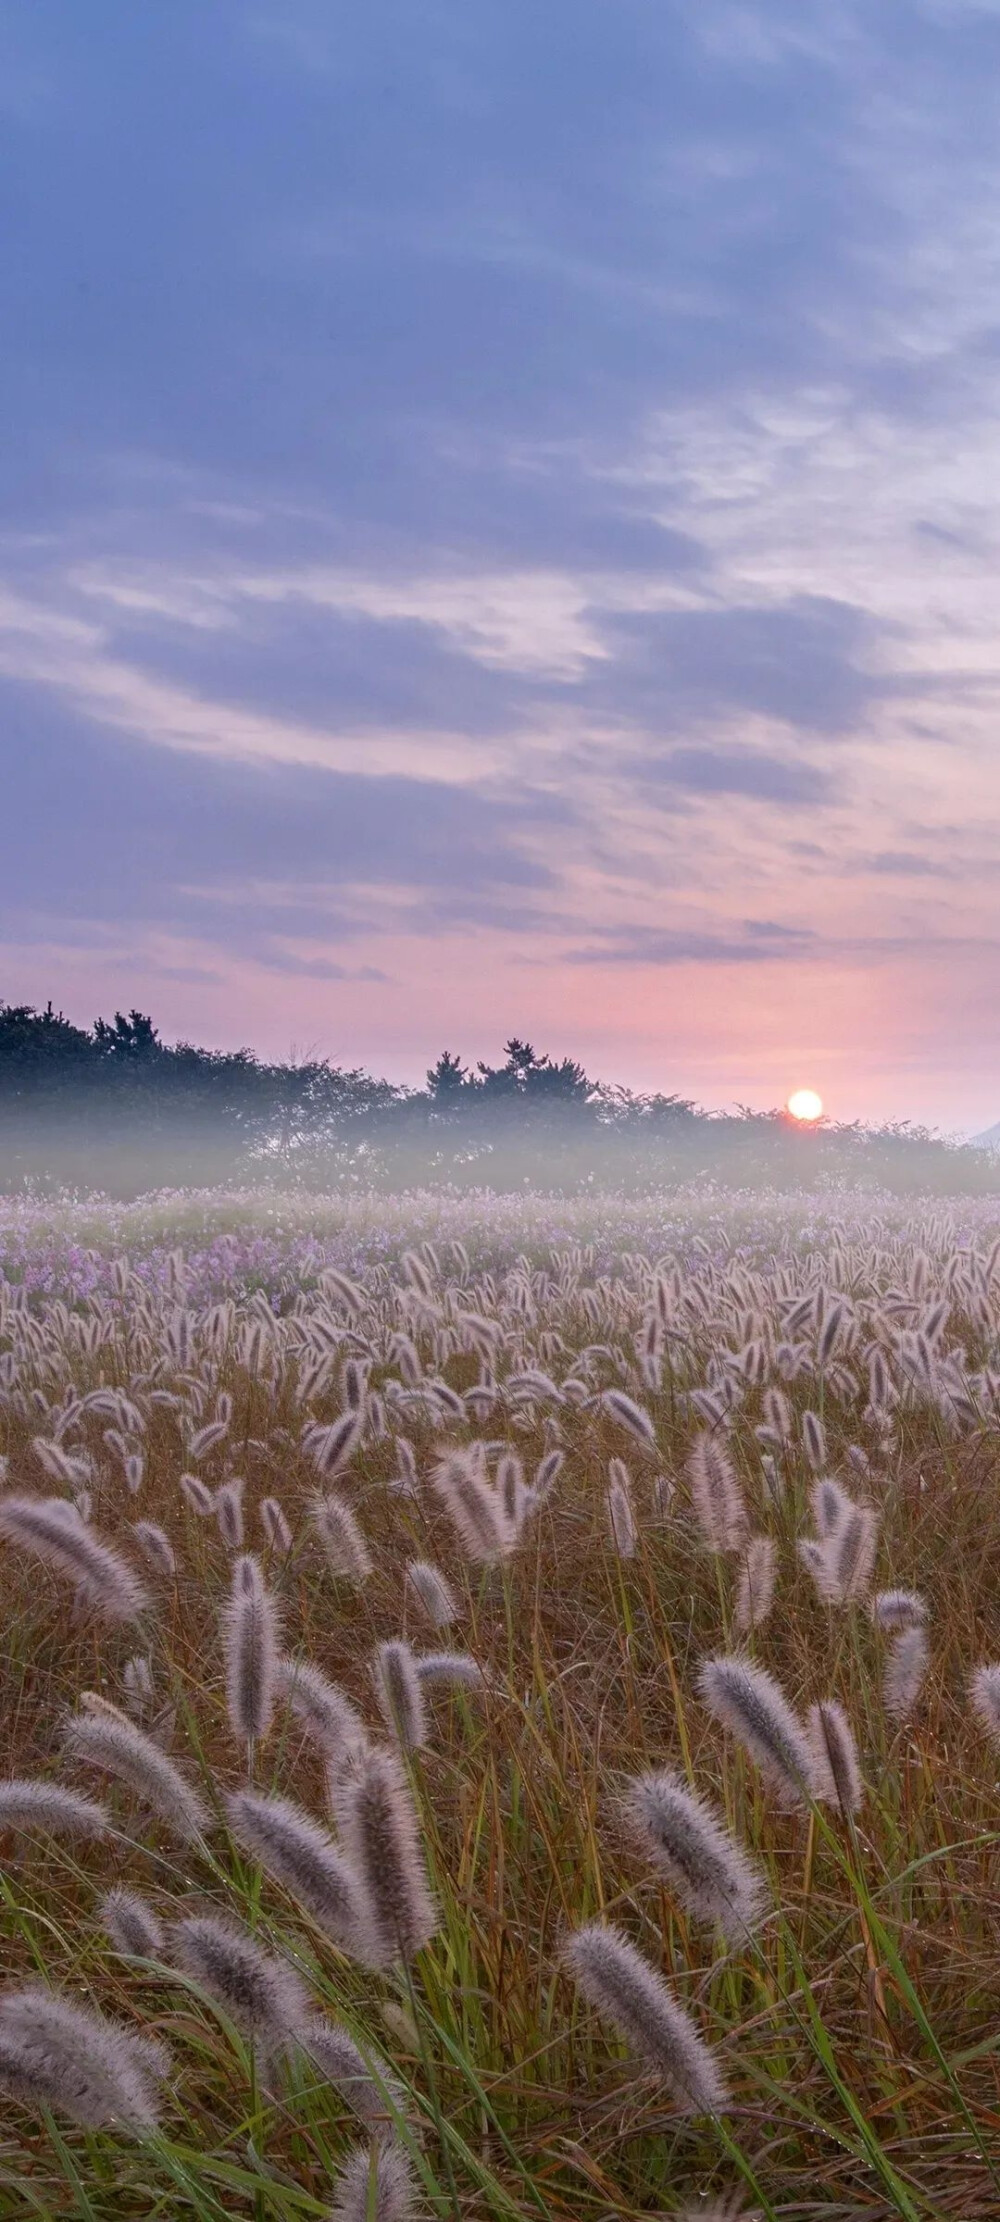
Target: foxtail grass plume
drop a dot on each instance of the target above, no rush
(34, 1808)
(755, 1594)
(227, 1505)
(626, 1990)
(837, 1774)
(262, 1996)
(355, 1386)
(631, 1416)
(747, 1701)
(664, 1494)
(156, 1548)
(850, 1555)
(381, 1837)
(322, 1706)
(905, 1671)
(347, 1553)
(510, 1488)
(547, 1473)
(140, 1691)
(364, 2081)
(620, 1511)
(332, 1448)
(295, 1851)
(814, 1441)
(60, 2056)
(118, 1747)
(716, 1496)
(831, 1506)
(406, 1466)
(197, 1495)
(131, 1924)
(984, 1697)
(434, 1593)
(376, 2185)
(691, 1848)
(455, 1667)
(899, 1608)
(251, 1636)
(277, 1533)
(207, 1438)
(101, 1577)
(474, 1509)
(400, 1697)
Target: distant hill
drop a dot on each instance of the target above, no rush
(988, 1141)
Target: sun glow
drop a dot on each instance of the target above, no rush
(805, 1104)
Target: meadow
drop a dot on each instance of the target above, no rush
(501, 1707)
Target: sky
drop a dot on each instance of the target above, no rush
(500, 534)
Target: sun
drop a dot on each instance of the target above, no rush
(805, 1105)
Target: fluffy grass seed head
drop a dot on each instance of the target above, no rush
(473, 1507)
(433, 1592)
(140, 1690)
(716, 1496)
(376, 2185)
(347, 1553)
(837, 1778)
(814, 1441)
(690, 1846)
(631, 1416)
(156, 1548)
(197, 1495)
(620, 1511)
(364, 2080)
(905, 1670)
(755, 1594)
(510, 1488)
(35, 1808)
(261, 1994)
(747, 1701)
(400, 1697)
(119, 1747)
(324, 1709)
(984, 1697)
(60, 2055)
(131, 1924)
(227, 1505)
(454, 1667)
(250, 1627)
(624, 1989)
(295, 1851)
(277, 1533)
(851, 1553)
(104, 1580)
(381, 1837)
(899, 1608)
(831, 1506)
(332, 1448)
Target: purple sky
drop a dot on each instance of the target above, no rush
(500, 534)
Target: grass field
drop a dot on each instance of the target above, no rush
(703, 1500)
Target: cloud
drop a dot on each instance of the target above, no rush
(650, 945)
(798, 662)
(736, 771)
(240, 854)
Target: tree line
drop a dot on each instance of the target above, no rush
(115, 1107)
